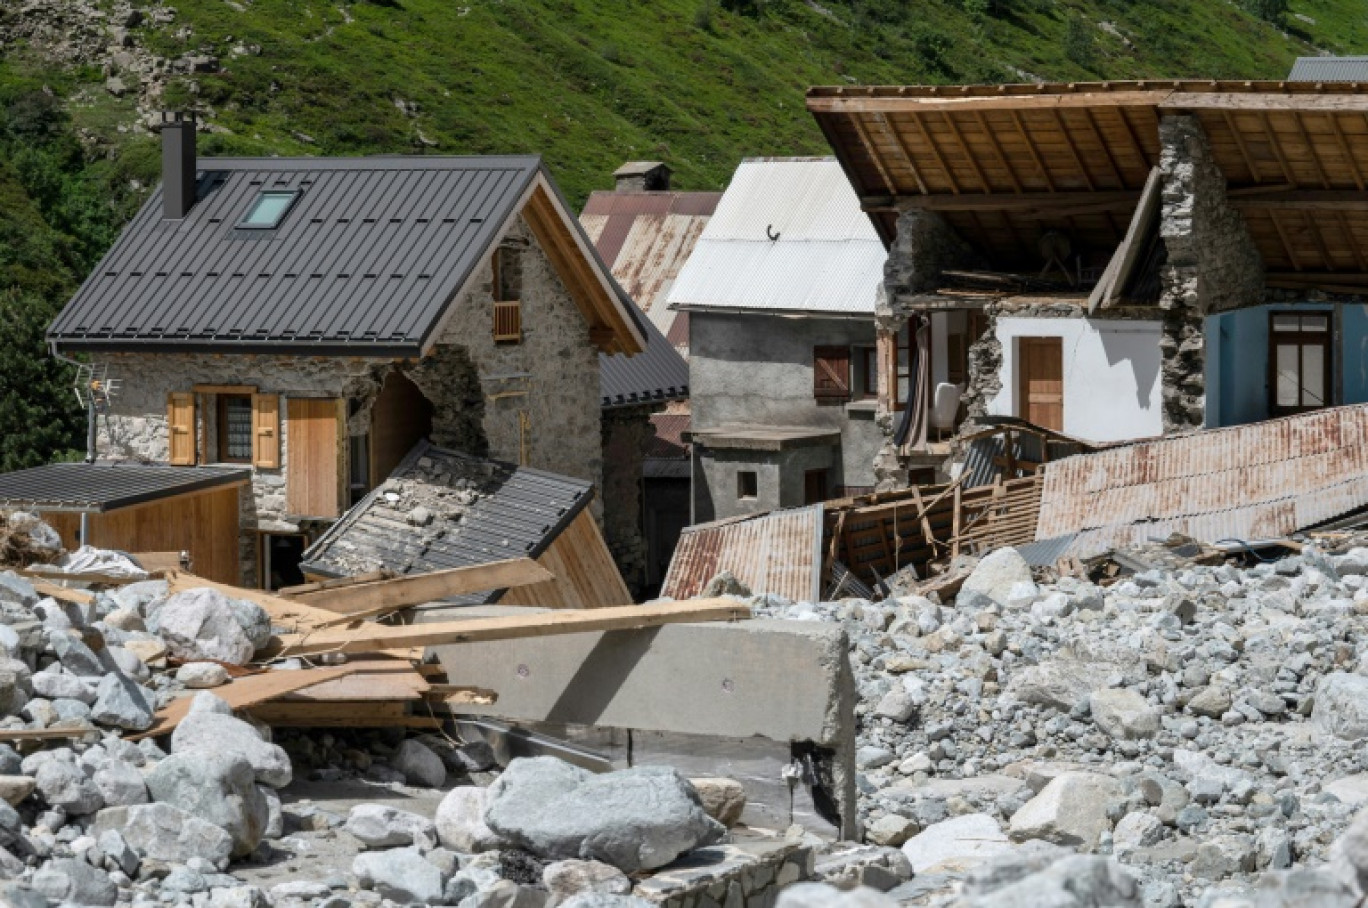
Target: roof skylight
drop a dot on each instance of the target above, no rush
(269, 209)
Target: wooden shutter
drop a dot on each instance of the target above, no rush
(508, 321)
(266, 431)
(180, 427)
(312, 477)
(831, 373)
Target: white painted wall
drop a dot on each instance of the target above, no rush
(1111, 375)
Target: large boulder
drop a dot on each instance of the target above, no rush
(994, 577)
(1077, 880)
(166, 833)
(460, 821)
(1124, 714)
(956, 844)
(401, 875)
(824, 895)
(1341, 708)
(419, 764)
(1061, 683)
(635, 819)
(1070, 810)
(203, 624)
(71, 882)
(211, 732)
(63, 785)
(218, 787)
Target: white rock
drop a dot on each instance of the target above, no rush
(956, 844)
(1071, 810)
(200, 675)
(1124, 714)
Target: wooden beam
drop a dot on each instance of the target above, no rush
(1238, 136)
(1305, 199)
(1044, 202)
(1276, 147)
(1311, 150)
(873, 153)
(246, 691)
(415, 589)
(891, 133)
(370, 638)
(1265, 102)
(1346, 150)
(224, 389)
(1319, 241)
(936, 152)
(968, 152)
(45, 734)
(1031, 147)
(1073, 148)
(1359, 258)
(1142, 222)
(1136, 145)
(905, 104)
(1106, 148)
(1286, 243)
(997, 150)
(334, 583)
(61, 593)
(1310, 278)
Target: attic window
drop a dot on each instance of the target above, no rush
(269, 209)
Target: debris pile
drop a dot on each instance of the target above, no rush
(1199, 725)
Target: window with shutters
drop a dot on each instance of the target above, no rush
(831, 374)
(180, 425)
(235, 428)
(1299, 355)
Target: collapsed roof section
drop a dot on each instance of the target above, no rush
(340, 256)
(1009, 165)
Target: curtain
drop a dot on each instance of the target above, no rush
(912, 428)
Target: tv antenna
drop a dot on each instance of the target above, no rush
(94, 391)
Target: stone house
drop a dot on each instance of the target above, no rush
(1132, 259)
(780, 293)
(645, 231)
(314, 318)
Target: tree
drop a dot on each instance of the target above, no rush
(39, 417)
(1268, 10)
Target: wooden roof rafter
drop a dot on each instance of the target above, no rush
(1311, 150)
(874, 156)
(1073, 150)
(1238, 136)
(998, 152)
(1106, 148)
(936, 152)
(1035, 151)
(968, 153)
(1319, 240)
(1346, 151)
(890, 132)
(1286, 243)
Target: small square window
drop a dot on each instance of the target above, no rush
(747, 484)
(269, 209)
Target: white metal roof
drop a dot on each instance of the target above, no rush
(789, 236)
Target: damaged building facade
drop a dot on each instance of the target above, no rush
(314, 319)
(1111, 261)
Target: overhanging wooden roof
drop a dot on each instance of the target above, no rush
(1006, 163)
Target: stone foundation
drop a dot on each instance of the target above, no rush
(746, 875)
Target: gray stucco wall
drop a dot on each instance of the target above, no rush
(757, 370)
(478, 390)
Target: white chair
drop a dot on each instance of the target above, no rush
(944, 407)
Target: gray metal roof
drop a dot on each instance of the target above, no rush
(94, 488)
(1329, 69)
(515, 512)
(654, 376)
(364, 263)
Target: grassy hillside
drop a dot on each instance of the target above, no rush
(587, 83)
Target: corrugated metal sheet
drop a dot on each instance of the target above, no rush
(655, 375)
(520, 515)
(94, 488)
(777, 553)
(1263, 480)
(1329, 69)
(788, 235)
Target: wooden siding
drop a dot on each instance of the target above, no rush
(204, 523)
(586, 576)
(312, 476)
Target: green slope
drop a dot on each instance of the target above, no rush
(587, 83)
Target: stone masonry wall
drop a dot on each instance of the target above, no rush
(539, 397)
(1212, 265)
(627, 431)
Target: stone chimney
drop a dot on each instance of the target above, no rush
(642, 176)
(178, 164)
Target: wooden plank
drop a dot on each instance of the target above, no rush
(42, 571)
(246, 691)
(312, 476)
(414, 589)
(282, 611)
(45, 734)
(290, 592)
(854, 104)
(61, 593)
(158, 561)
(365, 684)
(224, 389)
(373, 637)
(1141, 223)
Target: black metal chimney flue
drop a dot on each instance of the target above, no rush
(178, 163)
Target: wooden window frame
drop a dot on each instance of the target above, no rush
(866, 359)
(900, 368)
(1301, 338)
(507, 313)
(221, 416)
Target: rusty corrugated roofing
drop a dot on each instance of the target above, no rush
(1263, 480)
(778, 553)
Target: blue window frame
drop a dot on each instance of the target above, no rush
(269, 209)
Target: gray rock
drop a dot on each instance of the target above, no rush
(1085, 881)
(995, 575)
(75, 656)
(892, 830)
(17, 895)
(383, 826)
(218, 787)
(956, 844)
(723, 799)
(243, 897)
(120, 784)
(122, 702)
(1123, 714)
(166, 833)
(419, 764)
(1341, 709)
(1070, 810)
(54, 685)
(203, 624)
(212, 732)
(564, 879)
(72, 882)
(11, 825)
(1060, 683)
(1137, 830)
(62, 785)
(460, 821)
(1348, 858)
(200, 675)
(116, 850)
(1212, 701)
(400, 874)
(1303, 888)
(636, 819)
(821, 895)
